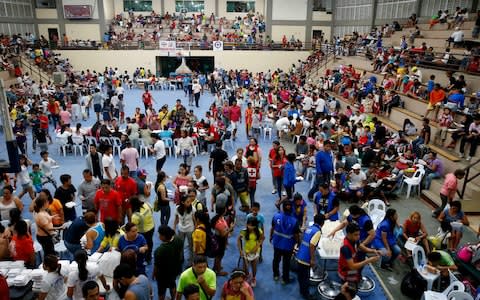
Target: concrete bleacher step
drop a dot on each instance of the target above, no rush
(438, 43)
(469, 201)
(5, 75)
(7, 83)
(443, 34)
(468, 25)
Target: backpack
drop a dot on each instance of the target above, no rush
(413, 285)
(212, 247)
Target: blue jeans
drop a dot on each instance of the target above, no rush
(319, 179)
(72, 248)
(416, 144)
(395, 252)
(164, 214)
(430, 177)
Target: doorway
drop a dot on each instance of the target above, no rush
(53, 37)
(201, 64)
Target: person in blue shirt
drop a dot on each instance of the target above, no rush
(284, 234)
(323, 166)
(327, 203)
(456, 100)
(431, 83)
(290, 175)
(299, 210)
(386, 239)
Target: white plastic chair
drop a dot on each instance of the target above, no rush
(105, 140)
(172, 86)
(77, 144)
(169, 145)
(296, 137)
(143, 148)
(413, 181)
(62, 145)
(91, 140)
(116, 145)
(175, 147)
(314, 174)
(376, 210)
(419, 261)
(230, 142)
(455, 285)
(458, 295)
(267, 130)
(310, 173)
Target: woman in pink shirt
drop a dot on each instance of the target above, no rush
(222, 230)
(65, 117)
(448, 190)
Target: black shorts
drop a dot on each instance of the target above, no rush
(165, 283)
(97, 108)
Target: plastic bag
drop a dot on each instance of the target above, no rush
(108, 262)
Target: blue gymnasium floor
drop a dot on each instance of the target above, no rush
(266, 287)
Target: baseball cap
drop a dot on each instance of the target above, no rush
(142, 172)
(356, 167)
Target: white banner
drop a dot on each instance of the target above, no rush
(169, 46)
(217, 46)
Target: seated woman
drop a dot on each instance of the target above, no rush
(21, 245)
(454, 216)
(385, 240)
(414, 228)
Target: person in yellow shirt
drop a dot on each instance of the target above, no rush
(253, 237)
(142, 216)
(112, 235)
(199, 235)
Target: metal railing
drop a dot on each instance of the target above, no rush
(34, 70)
(467, 178)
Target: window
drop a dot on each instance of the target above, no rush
(189, 6)
(137, 5)
(240, 6)
(45, 4)
(319, 5)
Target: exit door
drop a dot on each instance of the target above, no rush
(53, 37)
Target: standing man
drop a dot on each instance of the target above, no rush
(147, 99)
(108, 162)
(126, 186)
(323, 166)
(159, 150)
(138, 287)
(97, 100)
(350, 263)
(129, 157)
(235, 118)
(284, 234)
(196, 88)
(448, 190)
(168, 256)
(66, 194)
(217, 158)
(87, 190)
(200, 275)
(271, 156)
(143, 187)
(306, 254)
(94, 162)
(108, 202)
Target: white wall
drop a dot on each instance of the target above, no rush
(83, 31)
(289, 10)
(279, 30)
(43, 29)
(255, 61)
(321, 16)
(46, 13)
(93, 3)
(108, 9)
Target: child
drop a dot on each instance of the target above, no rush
(256, 123)
(255, 213)
(53, 286)
(253, 237)
(36, 176)
(444, 121)
(253, 176)
(46, 166)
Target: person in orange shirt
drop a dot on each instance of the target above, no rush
(437, 95)
(248, 118)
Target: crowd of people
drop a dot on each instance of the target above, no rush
(349, 155)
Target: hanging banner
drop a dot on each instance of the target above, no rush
(168, 47)
(217, 45)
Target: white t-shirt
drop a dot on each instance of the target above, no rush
(159, 148)
(46, 166)
(320, 105)
(356, 180)
(196, 88)
(55, 287)
(457, 36)
(282, 122)
(74, 281)
(23, 177)
(244, 160)
(307, 103)
(109, 163)
(185, 221)
(201, 193)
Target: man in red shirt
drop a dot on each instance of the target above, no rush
(147, 99)
(235, 117)
(43, 118)
(126, 186)
(108, 202)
